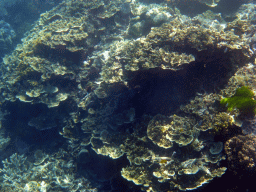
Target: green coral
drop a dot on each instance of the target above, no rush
(242, 100)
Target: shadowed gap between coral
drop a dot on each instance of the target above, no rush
(17, 123)
(67, 84)
(103, 169)
(61, 54)
(163, 91)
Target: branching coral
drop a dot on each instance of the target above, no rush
(241, 152)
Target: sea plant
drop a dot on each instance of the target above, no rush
(243, 99)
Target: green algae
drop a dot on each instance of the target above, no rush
(242, 100)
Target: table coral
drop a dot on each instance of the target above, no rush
(164, 131)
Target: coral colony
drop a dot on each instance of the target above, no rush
(129, 95)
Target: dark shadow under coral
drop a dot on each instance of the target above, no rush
(163, 91)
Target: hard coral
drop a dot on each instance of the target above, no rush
(241, 152)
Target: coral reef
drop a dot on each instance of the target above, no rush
(177, 159)
(41, 173)
(66, 37)
(93, 65)
(240, 152)
(173, 165)
(69, 37)
(157, 49)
